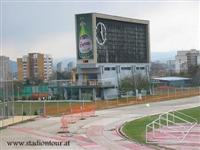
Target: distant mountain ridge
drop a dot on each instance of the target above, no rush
(65, 61)
(155, 56)
(163, 56)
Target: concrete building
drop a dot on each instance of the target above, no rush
(48, 67)
(198, 60)
(71, 65)
(108, 49)
(35, 66)
(23, 68)
(186, 58)
(192, 57)
(60, 67)
(6, 83)
(172, 81)
(5, 72)
(66, 65)
(171, 65)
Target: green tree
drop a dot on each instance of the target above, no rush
(141, 82)
(126, 84)
(131, 83)
(194, 73)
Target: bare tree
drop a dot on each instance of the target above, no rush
(131, 83)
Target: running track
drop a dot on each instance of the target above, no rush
(94, 133)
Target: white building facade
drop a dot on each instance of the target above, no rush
(5, 72)
(186, 58)
(48, 66)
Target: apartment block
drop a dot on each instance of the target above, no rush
(186, 58)
(35, 66)
(5, 72)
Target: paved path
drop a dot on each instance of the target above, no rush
(14, 120)
(94, 133)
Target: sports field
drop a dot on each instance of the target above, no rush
(135, 130)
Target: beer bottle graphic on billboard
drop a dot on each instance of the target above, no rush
(85, 42)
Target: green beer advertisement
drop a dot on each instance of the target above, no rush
(84, 36)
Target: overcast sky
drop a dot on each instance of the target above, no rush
(50, 27)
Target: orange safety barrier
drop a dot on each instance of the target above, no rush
(75, 113)
(53, 109)
(88, 110)
(76, 109)
(80, 110)
(64, 123)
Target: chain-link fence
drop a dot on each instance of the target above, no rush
(58, 107)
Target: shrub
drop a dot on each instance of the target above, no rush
(35, 113)
(24, 113)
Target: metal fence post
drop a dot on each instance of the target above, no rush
(153, 130)
(30, 109)
(13, 108)
(70, 106)
(13, 112)
(168, 92)
(57, 107)
(127, 96)
(22, 112)
(188, 91)
(199, 90)
(181, 91)
(175, 92)
(106, 103)
(44, 113)
(117, 98)
(2, 116)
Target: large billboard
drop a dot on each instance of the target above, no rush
(124, 41)
(84, 36)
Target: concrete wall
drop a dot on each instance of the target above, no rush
(120, 72)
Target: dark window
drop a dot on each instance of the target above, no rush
(106, 68)
(125, 68)
(85, 61)
(113, 68)
(126, 42)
